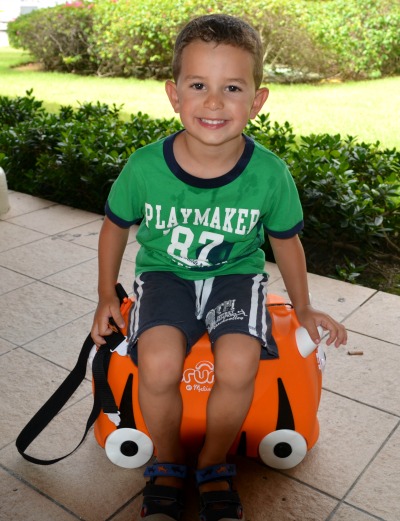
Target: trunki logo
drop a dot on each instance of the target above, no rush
(199, 378)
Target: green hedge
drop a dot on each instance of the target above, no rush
(303, 40)
(363, 34)
(350, 191)
(58, 37)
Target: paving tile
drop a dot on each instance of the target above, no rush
(62, 346)
(19, 502)
(267, 494)
(379, 318)
(6, 346)
(88, 234)
(332, 296)
(82, 279)
(36, 309)
(23, 203)
(350, 435)
(44, 257)
(54, 219)
(131, 250)
(27, 382)
(132, 511)
(85, 235)
(348, 513)
(374, 374)
(10, 280)
(377, 491)
(12, 236)
(86, 483)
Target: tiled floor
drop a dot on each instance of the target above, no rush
(48, 296)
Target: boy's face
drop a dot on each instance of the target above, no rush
(215, 94)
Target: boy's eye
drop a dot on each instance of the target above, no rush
(197, 86)
(233, 88)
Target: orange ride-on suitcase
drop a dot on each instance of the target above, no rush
(280, 427)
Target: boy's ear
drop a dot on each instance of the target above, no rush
(259, 100)
(172, 93)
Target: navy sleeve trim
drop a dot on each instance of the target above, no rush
(117, 220)
(287, 234)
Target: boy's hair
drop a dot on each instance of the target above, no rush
(220, 29)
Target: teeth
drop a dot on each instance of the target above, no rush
(212, 121)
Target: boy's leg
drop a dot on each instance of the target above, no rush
(236, 361)
(162, 351)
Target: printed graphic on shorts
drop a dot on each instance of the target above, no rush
(199, 378)
(224, 312)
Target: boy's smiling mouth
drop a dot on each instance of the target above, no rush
(213, 122)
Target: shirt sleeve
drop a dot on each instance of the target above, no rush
(284, 217)
(124, 206)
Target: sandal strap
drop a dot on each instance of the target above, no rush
(171, 470)
(220, 504)
(161, 499)
(160, 492)
(221, 472)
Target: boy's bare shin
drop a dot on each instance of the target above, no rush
(236, 362)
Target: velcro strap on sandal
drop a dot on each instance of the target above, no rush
(165, 469)
(215, 473)
(220, 496)
(162, 492)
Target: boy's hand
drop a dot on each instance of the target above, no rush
(106, 309)
(311, 318)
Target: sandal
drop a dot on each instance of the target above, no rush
(162, 502)
(219, 505)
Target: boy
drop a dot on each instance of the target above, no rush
(204, 197)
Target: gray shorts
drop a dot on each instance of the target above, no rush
(217, 305)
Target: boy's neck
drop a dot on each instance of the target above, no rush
(207, 161)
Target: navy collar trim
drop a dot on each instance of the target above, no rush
(199, 182)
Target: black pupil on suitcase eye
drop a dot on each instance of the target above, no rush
(129, 448)
(282, 450)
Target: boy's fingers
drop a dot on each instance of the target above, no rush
(314, 334)
(118, 318)
(337, 334)
(97, 337)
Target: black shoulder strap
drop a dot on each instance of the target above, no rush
(54, 405)
(103, 397)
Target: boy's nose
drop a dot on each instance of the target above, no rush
(213, 101)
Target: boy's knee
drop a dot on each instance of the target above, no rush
(159, 371)
(236, 376)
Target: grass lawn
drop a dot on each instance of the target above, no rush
(367, 110)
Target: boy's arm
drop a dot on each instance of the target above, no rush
(290, 258)
(112, 243)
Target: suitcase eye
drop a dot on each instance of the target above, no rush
(282, 449)
(128, 448)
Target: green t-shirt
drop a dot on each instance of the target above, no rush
(200, 228)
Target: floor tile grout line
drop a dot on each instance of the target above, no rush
(123, 506)
(363, 511)
(49, 237)
(298, 480)
(373, 337)
(7, 219)
(32, 281)
(38, 491)
(367, 466)
(376, 408)
(47, 234)
(84, 315)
